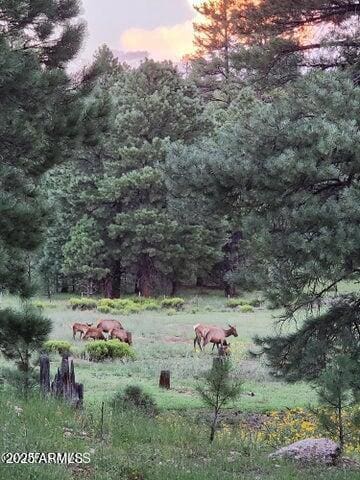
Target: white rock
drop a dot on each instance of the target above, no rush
(316, 450)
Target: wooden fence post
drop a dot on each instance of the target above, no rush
(164, 381)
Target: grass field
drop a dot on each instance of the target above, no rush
(174, 445)
(163, 341)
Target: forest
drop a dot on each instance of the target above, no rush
(222, 188)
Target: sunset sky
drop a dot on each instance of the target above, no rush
(163, 28)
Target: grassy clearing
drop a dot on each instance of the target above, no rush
(131, 446)
(166, 342)
(174, 444)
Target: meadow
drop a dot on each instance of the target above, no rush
(174, 444)
(163, 341)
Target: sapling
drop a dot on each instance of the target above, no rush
(218, 389)
(338, 388)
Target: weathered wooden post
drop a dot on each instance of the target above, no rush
(64, 384)
(44, 374)
(164, 381)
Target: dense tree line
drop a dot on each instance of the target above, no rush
(242, 174)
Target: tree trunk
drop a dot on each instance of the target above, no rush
(108, 287)
(144, 277)
(174, 287)
(116, 280)
(199, 282)
(213, 426)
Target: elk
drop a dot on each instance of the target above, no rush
(108, 325)
(121, 335)
(217, 335)
(94, 333)
(200, 333)
(81, 328)
(224, 349)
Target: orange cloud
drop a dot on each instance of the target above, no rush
(162, 42)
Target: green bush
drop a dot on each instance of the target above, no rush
(104, 309)
(175, 302)
(105, 302)
(127, 306)
(256, 302)
(135, 397)
(132, 308)
(100, 350)
(151, 305)
(42, 305)
(171, 311)
(235, 302)
(59, 346)
(246, 309)
(83, 303)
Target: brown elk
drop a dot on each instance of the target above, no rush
(200, 333)
(217, 335)
(121, 335)
(224, 349)
(81, 328)
(94, 333)
(108, 325)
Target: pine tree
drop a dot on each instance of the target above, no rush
(216, 36)
(42, 119)
(318, 34)
(119, 221)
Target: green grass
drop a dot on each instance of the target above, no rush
(130, 446)
(166, 342)
(174, 445)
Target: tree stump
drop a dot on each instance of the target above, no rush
(164, 381)
(44, 374)
(64, 384)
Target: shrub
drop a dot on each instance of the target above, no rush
(175, 302)
(100, 350)
(82, 303)
(60, 346)
(104, 309)
(135, 397)
(105, 302)
(256, 302)
(151, 305)
(22, 333)
(42, 305)
(127, 305)
(132, 308)
(246, 309)
(235, 302)
(97, 350)
(171, 311)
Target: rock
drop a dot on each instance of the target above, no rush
(314, 450)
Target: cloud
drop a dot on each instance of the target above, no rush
(163, 42)
(131, 58)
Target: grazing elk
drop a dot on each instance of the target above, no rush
(200, 333)
(108, 325)
(121, 335)
(217, 335)
(224, 349)
(94, 333)
(81, 328)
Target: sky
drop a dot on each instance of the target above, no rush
(161, 29)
